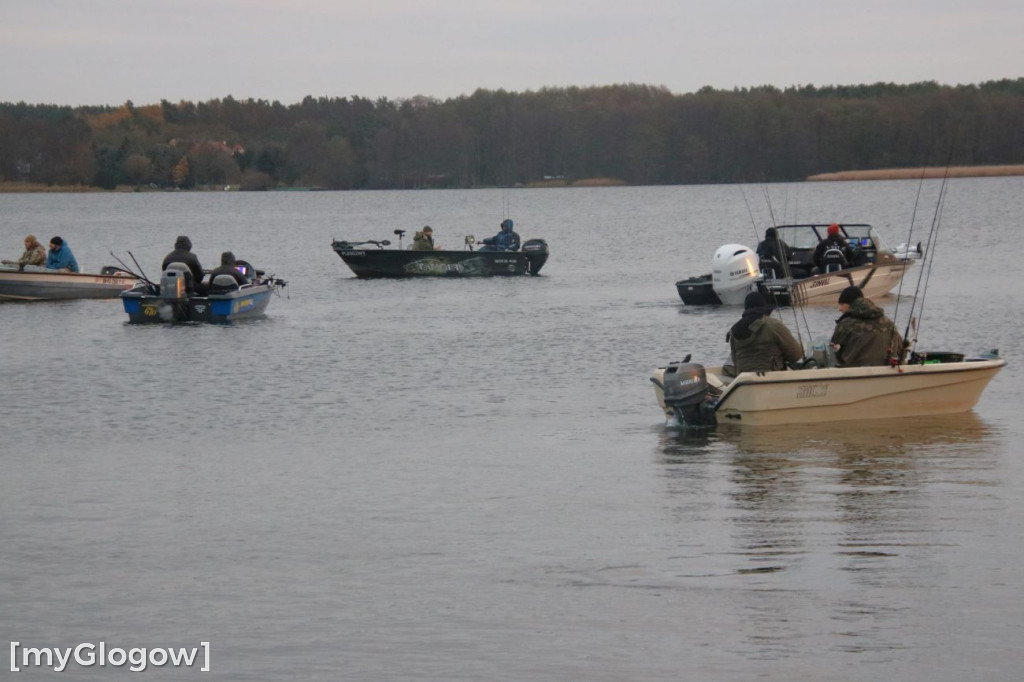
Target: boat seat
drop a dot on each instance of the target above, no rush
(771, 268)
(833, 260)
(223, 284)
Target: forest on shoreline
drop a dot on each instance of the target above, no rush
(618, 134)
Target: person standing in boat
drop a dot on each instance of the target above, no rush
(182, 253)
(424, 240)
(506, 240)
(864, 336)
(60, 256)
(759, 342)
(35, 253)
(774, 248)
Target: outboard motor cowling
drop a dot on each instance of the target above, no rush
(174, 283)
(686, 393)
(734, 273)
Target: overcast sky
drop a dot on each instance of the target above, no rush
(108, 51)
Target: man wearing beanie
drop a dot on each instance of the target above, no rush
(864, 336)
(759, 342)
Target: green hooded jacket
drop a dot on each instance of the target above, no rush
(865, 336)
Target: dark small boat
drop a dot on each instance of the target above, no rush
(222, 300)
(369, 259)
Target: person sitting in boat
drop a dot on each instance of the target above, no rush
(759, 342)
(825, 256)
(182, 253)
(229, 268)
(506, 240)
(35, 254)
(773, 249)
(60, 256)
(424, 240)
(864, 336)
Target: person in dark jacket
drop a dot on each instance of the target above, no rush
(227, 267)
(60, 256)
(506, 240)
(834, 240)
(423, 240)
(773, 246)
(759, 342)
(183, 254)
(864, 336)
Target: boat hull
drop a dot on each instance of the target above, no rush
(847, 393)
(376, 263)
(41, 285)
(874, 280)
(146, 308)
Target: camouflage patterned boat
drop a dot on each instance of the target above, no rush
(369, 259)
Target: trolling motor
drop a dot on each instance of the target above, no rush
(686, 393)
(400, 234)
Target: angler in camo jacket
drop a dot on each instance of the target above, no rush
(35, 253)
(864, 336)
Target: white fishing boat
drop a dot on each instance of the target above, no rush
(930, 384)
(737, 269)
(39, 284)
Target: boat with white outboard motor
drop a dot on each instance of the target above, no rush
(694, 396)
(370, 259)
(793, 278)
(891, 383)
(218, 299)
(35, 283)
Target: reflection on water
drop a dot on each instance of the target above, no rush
(864, 504)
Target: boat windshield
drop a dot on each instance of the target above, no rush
(808, 236)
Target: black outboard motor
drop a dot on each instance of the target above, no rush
(686, 392)
(536, 251)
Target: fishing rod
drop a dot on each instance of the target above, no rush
(925, 275)
(139, 267)
(787, 272)
(127, 269)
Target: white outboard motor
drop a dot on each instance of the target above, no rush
(734, 273)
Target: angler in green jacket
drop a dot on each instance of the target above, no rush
(864, 336)
(759, 342)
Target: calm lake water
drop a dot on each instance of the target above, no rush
(470, 480)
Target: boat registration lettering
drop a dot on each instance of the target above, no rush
(353, 253)
(812, 391)
(820, 283)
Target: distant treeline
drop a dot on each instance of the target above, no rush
(638, 134)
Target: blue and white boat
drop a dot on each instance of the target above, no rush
(220, 300)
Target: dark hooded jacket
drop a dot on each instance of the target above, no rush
(759, 342)
(183, 254)
(774, 248)
(865, 337)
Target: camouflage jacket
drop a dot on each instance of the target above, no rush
(421, 241)
(34, 256)
(768, 346)
(865, 336)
